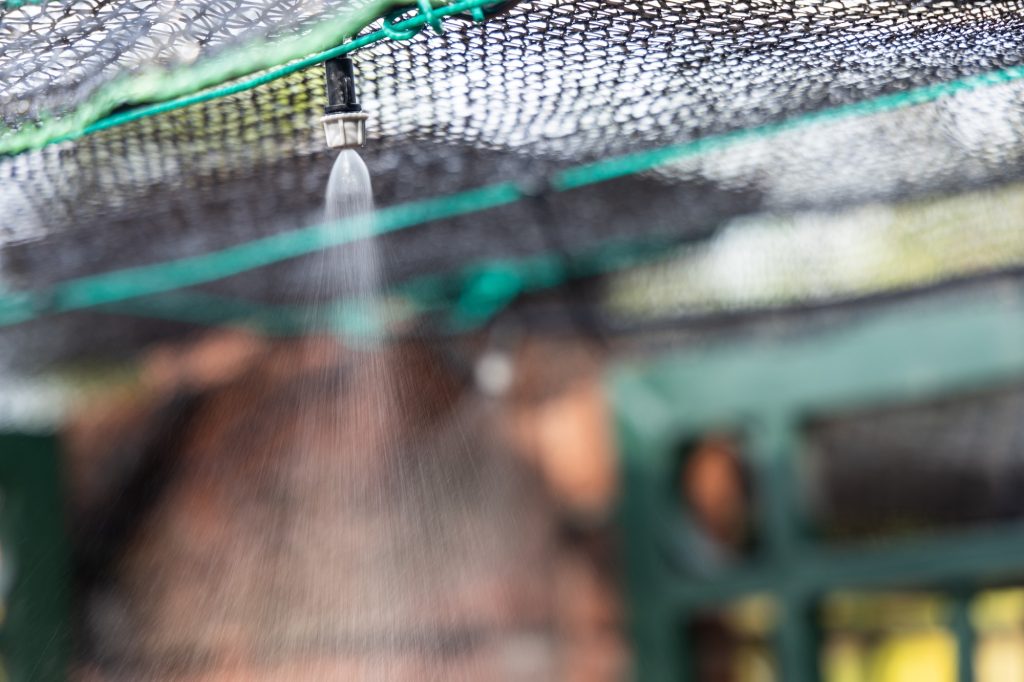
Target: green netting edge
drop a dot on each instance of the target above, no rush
(15, 4)
(131, 283)
(157, 92)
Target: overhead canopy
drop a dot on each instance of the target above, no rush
(528, 144)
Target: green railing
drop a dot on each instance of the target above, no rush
(766, 392)
(34, 570)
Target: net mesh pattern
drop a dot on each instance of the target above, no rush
(592, 79)
(953, 462)
(770, 108)
(56, 54)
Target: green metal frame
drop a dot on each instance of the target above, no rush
(34, 562)
(766, 390)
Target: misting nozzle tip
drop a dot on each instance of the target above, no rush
(345, 130)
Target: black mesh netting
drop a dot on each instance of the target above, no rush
(58, 54)
(538, 89)
(959, 462)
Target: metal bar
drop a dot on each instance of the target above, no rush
(33, 635)
(964, 633)
(771, 458)
(987, 554)
(651, 616)
(795, 641)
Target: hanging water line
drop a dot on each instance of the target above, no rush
(152, 93)
(344, 120)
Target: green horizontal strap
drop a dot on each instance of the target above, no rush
(145, 280)
(986, 552)
(153, 279)
(465, 296)
(609, 169)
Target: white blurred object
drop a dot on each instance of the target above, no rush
(494, 373)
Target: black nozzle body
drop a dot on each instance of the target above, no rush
(341, 86)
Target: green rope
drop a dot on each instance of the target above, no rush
(118, 285)
(610, 169)
(468, 297)
(136, 282)
(171, 90)
(15, 4)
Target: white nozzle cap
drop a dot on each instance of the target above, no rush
(345, 130)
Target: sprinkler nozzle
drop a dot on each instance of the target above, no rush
(344, 119)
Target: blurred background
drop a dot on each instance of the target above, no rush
(653, 340)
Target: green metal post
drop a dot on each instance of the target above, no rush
(34, 559)
(773, 444)
(964, 633)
